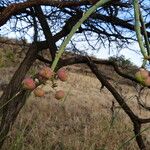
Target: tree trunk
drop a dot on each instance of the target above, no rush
(11, 110)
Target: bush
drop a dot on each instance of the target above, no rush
(121, 61)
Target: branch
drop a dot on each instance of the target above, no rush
(11, 110)
(44, 60)
(83, 59)
(47, 31)
(122, 103)
(74, 29)
(69, 25)
(16, 8)
(115, 21)
(143, 121)
(104, 32)
(77, 59)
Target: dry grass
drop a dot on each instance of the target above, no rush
(83, 121)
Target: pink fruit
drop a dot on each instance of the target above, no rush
(62, 74)
(141, 75)
(59, 94)
(144, 73)
(46, 72)
(138, 76)
(29, 84)
(39, 92)
(147, 81)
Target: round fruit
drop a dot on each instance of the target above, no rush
(39, 92)
(142, 75)
(62, 74)
(46, 72)
(147, 81)
(138, 76)
(28, 84)
(59, 94)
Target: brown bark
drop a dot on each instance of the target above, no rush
(135, 119)
(46, 30)
(11, 110)
(15, 9)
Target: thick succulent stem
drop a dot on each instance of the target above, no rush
(74, 29)
(145, 33)
(138, 27)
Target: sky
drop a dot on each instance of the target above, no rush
(135, 58)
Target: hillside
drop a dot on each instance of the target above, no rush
(12, 53)
(83, 120)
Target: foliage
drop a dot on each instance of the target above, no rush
(122, 61)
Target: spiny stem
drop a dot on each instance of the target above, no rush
(145, 33)
(74, 29)
(138, 28)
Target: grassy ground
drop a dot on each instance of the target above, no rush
(83, 121)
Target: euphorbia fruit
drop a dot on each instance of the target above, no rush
(39, 92)
(28, 84)
(62, 74)
(46, 72)
(144, 73)
(147, 81)
(59, 94)
(141, 75)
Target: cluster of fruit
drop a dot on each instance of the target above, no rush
(143, 77)
(45, 74)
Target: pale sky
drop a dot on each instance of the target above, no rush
(104, 53)
(135, 58)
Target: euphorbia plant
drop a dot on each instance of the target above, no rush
(142, 75)
(66, 41)
(62, 74)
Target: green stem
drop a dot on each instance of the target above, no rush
(10, 100)
(133, 137)
(74, 29)
(145, 33)
(144, 63)
(138, 28)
